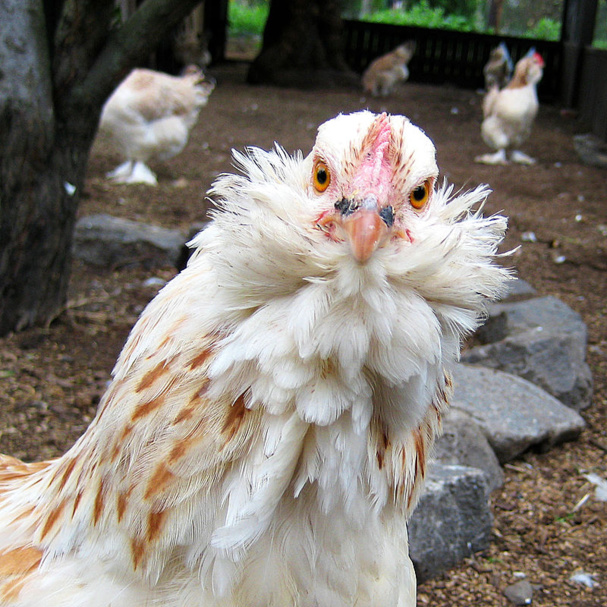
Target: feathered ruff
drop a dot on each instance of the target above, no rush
(266, 431)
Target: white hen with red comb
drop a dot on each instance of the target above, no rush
(509, 113)
(265, 435)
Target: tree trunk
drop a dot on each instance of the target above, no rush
(494, 18)
(58, 67)
(36, 214)
(302, 46)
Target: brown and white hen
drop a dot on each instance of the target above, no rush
(498, 69)
(264, 438)
(149, 116)
(509, 113)
(385, 72)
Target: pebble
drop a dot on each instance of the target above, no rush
(584, 578)
(520, 593)
(154, 281)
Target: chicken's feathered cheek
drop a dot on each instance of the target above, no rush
(325, 222)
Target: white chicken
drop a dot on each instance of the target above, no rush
(149, 116)
(509, 113)
(385, 72)
(264, 438)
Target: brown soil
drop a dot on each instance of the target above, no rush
(51, 379)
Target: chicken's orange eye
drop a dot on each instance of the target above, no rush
(419, 196)
(322, 176)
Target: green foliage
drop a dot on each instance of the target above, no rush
(464, 8)
(460, 15)
(247, 18)
(600, 29)
(423, 15)
(545, 29)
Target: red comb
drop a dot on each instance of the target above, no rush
(375, 166)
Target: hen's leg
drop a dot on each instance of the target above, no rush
(521, 157)
(121, 172)
(498, 158)
(133, 173)
(142, 174)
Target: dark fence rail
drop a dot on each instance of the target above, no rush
(445, 56)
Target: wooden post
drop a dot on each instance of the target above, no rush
(579, 18)
(216, 28)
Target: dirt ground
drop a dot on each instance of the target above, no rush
(51, 379)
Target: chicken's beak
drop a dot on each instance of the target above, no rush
(365, 228)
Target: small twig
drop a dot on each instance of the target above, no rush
(598, 444)
(581, 502)
(518, 468)
(480, 568)
(98, 317)
(72, 304)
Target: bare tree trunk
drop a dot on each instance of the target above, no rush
(302, 46)
(60, 61)
(32, 237)
(494, 18)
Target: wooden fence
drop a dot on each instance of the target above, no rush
(575, 74)
(444, 56)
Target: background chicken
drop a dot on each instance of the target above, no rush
(509, 113)
(149, 116)
(265, 434)
(498, 69)
(191, 49)
(387, 71)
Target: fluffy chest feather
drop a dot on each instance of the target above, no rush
(518, 105)
(360, 371)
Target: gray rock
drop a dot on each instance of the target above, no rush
(542, 340)
(464, 443)
(452, 520)
(591, 150)
(520, 593)
(548, 313)
(513, 413)
(518, 290)
(103, 240)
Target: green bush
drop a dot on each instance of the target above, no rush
(600, 29)
(423, 15)
(247, 19)
(545, 29)
(460, 15)
(464, 8)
